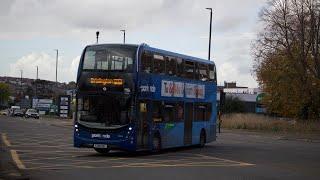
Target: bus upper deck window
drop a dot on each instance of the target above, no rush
(212, 73)
(203, 72)
(189, 69)
(180, 67)
(146, 62)
(89, 60)
(158, 64)
(171, 64)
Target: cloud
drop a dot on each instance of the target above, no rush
(34, 18)
(46, 64)
(179, 26)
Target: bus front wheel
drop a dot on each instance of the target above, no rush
(102, 151)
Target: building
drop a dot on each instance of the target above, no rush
(245, 94)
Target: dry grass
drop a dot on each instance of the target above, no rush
(266, 123)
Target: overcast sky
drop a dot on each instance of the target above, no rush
(32, 29)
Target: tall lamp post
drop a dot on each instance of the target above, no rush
(57, 55)
(37, 77)
(36, 82)
(124, 35)
(97, 36)
(21, 72)
(209, 56)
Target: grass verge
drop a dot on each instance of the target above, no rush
(266, 123)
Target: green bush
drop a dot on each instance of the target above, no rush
(232, 105)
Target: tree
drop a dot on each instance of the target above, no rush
(72, 85)
(287, 57)
(4, 93)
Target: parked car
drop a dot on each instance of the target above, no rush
(18, 112)
(32, 113)
(12, 109)
(4, 112)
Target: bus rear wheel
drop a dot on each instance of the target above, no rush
(202, 139)
(102, 151)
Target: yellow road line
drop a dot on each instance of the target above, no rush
(226, 160)
(17, 160)
(5, 139)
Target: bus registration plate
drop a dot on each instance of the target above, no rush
(100, 146)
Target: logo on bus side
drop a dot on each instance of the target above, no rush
(146, 88)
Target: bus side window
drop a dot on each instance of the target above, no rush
(203, 72)
(208, 111)
(146, 62)
(159, 64)
(171, 64)
(189, 69)
(157, 112)
(179, 112)
(212, 73)
(180, 67)
(168, 114)
(200, 112)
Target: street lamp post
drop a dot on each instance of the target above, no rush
(36, 82)
(57, 66)
(21, 72)
(97, 36)
(37, 73)
(124, 36)
(209, 56)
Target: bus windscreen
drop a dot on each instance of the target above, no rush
(109, 58)
(104, 111)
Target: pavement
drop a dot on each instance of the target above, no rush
(42, 149)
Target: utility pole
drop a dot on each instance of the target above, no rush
(37, 73)
(57, 66)
(209, 55)
(97, 36)
(124, 36)
(21, 72)
(37, 82)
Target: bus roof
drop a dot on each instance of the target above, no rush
(160, 51)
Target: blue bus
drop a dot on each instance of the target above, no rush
(136, 97)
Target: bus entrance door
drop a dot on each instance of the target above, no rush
(143, 137)
(188, 123)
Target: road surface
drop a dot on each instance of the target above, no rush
(42, 149)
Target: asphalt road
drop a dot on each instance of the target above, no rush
(42, 149)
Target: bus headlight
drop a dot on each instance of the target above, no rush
(130, 128)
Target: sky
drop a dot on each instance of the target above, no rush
(31, 30)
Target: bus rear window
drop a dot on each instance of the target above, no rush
(109, 58)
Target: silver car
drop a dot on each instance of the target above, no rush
(32, 113)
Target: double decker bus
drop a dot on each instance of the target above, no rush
(136, 97)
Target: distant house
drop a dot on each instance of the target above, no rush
(245, 94)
